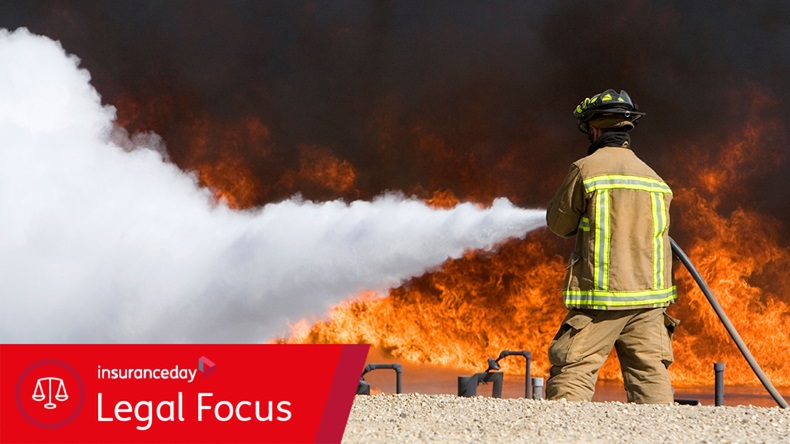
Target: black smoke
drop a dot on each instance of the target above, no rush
(469, 97)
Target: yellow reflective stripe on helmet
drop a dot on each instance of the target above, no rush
(659, 226)
(604, 299)
(606, 98)
(603, 237)
(584, 224)
(614, 181)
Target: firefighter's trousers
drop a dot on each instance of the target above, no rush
(642, 338)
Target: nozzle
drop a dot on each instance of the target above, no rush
(492, 365)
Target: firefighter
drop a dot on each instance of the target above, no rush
(619, 276)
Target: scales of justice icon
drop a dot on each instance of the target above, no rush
(40, 393)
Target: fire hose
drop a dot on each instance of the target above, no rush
(728, 325)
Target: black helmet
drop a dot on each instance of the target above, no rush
(606, 104)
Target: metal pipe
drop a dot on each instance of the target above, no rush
(537, 388)
(728, 325)
(528, 356)
(467, 385)
(498, 379)
(398, 373)
(718, 367)
(363, 388)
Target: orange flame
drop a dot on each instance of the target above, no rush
(476, 306)
(473, 308)
(443, 199)
(224, 170)
(229, 158)
(738, 253)
(318, 166)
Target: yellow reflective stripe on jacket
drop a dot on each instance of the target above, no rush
(584, 224)
(613, 181)
(603, 299)
(603, 237)
(659, 226)
(600, 295)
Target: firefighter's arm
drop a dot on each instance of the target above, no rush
(567, 206)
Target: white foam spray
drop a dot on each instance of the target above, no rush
(103, 240)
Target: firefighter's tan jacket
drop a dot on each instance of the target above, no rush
(618, 208)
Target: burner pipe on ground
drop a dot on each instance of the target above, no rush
(528, 356)
(467, 385)
(728, 325)
(364, 388)
(718, 367)
(537, 388)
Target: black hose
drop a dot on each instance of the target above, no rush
(728, 325)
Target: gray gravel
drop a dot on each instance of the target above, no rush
(413, 418)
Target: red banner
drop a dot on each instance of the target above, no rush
(177, 393)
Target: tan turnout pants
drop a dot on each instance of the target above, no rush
(642, 338)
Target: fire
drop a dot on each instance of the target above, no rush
(229, 181)
(443, 199)
(475, 307)
(738, 253)
(217, 158)
(230, 158)
(318, 166)
(338, 107)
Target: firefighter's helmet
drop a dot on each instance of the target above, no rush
(608, 109)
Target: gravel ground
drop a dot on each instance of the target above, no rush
(413, 418)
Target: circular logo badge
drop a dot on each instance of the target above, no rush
(50, 394)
